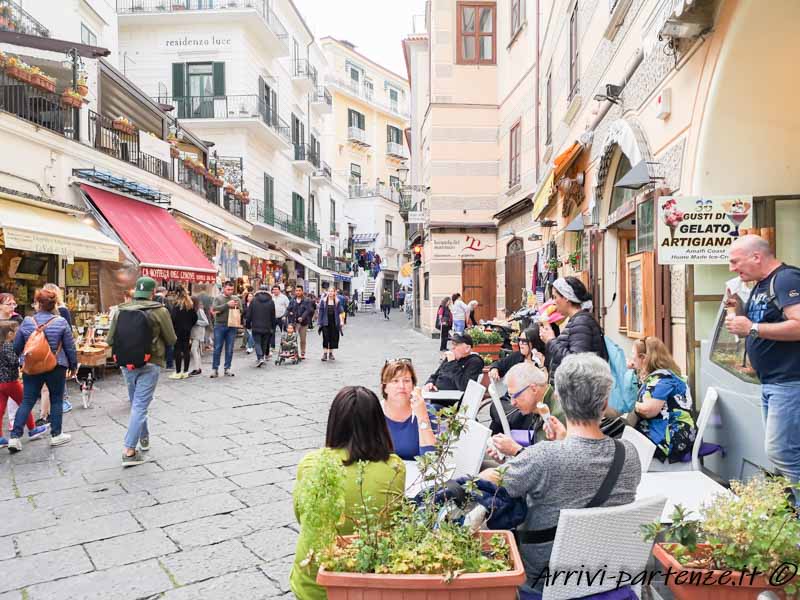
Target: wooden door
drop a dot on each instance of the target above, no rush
(515, 276)
(663, 297)
(596, 278)
(479, 282)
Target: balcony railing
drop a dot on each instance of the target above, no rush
(306, 152)
(124, 145)
(244, 106)
(361, 190)
(37, 106)
(323, 170)
(357, 135)
(323, 96)
(259, 213)
(312, 232)
(15, 18)
(366, 92)
(303, 68)
(174, 6)
(395, 149)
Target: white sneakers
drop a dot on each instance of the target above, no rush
(60, 439)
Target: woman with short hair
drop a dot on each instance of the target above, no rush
(406, 412)
(356, 433)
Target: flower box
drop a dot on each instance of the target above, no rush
(734, 588)
(82, 89)
(492, 350)
(43, 83)
(123, 127)
(467, 586)
(71, 101)
(18, 73)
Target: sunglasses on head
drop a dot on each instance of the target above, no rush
(405, 360)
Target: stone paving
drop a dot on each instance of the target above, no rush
(211, 515)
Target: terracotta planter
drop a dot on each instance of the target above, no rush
(83, 90)
(492, 350)
(71, 101)
(469, 586)
(18, 73)
(731, 590)
(123, 127)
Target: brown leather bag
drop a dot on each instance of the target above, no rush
(38, 357)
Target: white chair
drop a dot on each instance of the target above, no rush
(702, 423)
(469, 450)
(494, 393)
(605, 538)
(644, 447)
(471, 400)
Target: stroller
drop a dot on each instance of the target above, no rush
(289, 350)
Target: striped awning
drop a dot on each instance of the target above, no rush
(364, 238)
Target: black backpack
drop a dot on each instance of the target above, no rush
(133, 339)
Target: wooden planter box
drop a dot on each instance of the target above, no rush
(469, 586)
(70, 101)
(492, 350)
(731, 590)
(123, 127)
(20, 74)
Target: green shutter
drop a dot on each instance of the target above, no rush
(179, 89)
(219, 79)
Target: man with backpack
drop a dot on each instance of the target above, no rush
(139, 335)
(772, 330)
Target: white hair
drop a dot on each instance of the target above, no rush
(583, 382)
(525, 374)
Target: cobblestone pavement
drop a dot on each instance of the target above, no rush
(211, 515)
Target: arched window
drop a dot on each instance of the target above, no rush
(516, 245)
(620, 196)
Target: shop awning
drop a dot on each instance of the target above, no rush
(164, 250)
(27, 227)
(564, 160)
(542, 196)
(239, 243)
(299, 258)
(576, 224)
(341, 277)
(364, 238)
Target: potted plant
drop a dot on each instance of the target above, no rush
(17, 69)
(486, 342)
(245, 197)
(553, 264)
(82, 87)
(174, 152)
(746, 543)
(71, 98)
(229, 189)
(574, 259)
(408, 548)
(123, 125)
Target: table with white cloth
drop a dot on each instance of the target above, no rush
(692, 489)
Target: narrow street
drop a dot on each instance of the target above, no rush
(210, 516)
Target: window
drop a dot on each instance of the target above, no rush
(394, 99)
(312, 209)
(87, 36)
(355, 174)
(194, 87)
(573, 52)
(333, 216)
(620, 196)
(355, 119)
(269, 98)
(388, 229)
(516, 16)
(426, 286)
(269, 196)
(394, 182)
(298, 131)
(515, 151)
(645, 226)
(548, 98)
(298, 208)
(393, 134)
(368, 89)
(476, 33)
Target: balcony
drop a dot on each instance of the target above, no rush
(322, 101)
(312, 232)
(267, 215)
(14, 18)
(382, 191)
(304, 76)
(305, 159)
(218, 111)
(36, 106)
(186, 12)
(322, 172)
(357, 136)
(396, 150)
(365, 93)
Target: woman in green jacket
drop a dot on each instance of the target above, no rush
(356, 433)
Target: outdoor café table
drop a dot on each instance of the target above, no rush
(692, 489)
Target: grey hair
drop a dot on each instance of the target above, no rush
(583, 382)
(753, 243)
(525, 374)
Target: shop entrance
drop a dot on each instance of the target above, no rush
(515, 275)
(478, 283)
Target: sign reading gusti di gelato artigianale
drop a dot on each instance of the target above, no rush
(699, 229)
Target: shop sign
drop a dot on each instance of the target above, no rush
(52, 244)
(178, 275)
(416, 216)
(464, 246)
(207, 41)
(698, 229)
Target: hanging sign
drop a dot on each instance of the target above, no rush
(699, 229)
(416, 216)
(465, 246)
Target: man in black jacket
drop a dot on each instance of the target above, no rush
(260, 319)
(300, 313)
(459, 366)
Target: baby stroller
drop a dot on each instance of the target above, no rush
(288, 352)
(84, 377)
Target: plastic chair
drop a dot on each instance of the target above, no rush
(471, 400)
(601, 539)
(703, 419)
(469, 450)
(644, 447)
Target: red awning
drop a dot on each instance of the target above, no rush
(164, 250)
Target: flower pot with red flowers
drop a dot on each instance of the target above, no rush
(742, 547)
(229, 189)
(238, 195)
(174, 152)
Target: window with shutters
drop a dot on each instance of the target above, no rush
(394, 182)
(298, 130)
(298, 209)
(355, 174)
(393, 134)
(394, 99)
(514, 154)
(476, 33)
(573, 52)
(356, 119)
(194, 87)
(517, 13)
(269, 198)
(268, 102)
(312, 209)
(333, 216)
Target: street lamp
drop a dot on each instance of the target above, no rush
(402, 172)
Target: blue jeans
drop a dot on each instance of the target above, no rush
(280, 323)
(459, 326)
(56, 381)
(141, 387)
(169, 355)
(227, 336)
(780, 409)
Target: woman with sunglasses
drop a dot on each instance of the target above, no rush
(405, 411)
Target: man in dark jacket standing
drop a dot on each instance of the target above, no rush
(300, 313)
(459, 366)
(260, 319)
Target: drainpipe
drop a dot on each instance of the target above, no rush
(536, 97)
(308, 128)
(606, 106)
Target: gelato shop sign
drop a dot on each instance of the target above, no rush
(698, 229)
(196, 42)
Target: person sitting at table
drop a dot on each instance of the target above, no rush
(569, 471)
(460, 365)
(664, 405)
(357, 433)
(406, 413)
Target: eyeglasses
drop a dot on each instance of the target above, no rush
(519, 393)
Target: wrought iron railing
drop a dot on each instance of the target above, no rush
(395, 149)
(361, 190)
(123, 143)
(312, 232)
(306, 152)
(365, 92)
(37, 106)
(234, 206)
(358, 135)
(304, 69)
(15, 18)
(323, 170)
(323, 96)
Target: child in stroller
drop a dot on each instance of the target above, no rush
(289, 349)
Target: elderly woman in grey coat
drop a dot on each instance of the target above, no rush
(569, 471)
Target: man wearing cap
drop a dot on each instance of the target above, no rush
(142, 381)
(458, 367)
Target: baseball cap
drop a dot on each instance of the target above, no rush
(461, 338)
(145, 286)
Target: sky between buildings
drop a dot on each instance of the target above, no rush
(376, 27)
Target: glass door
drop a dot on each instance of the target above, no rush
(201, 90)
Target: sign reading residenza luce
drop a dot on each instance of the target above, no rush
(184, 41)
(698, 229)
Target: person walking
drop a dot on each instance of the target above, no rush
(386, 303)
(161, 296)
(260, 319)
(58, 336)
(300, 314)
(401, 297)
(471, 306)
(281, 302)
(184, 318)
(225, 328)
(444, 322)
(247, 339)
(140, 333)
(330, 323)
(460, 311)
(62, 311)
(771, 328)
(197, 337)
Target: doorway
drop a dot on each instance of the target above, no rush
(478, 282)
(515, 276)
